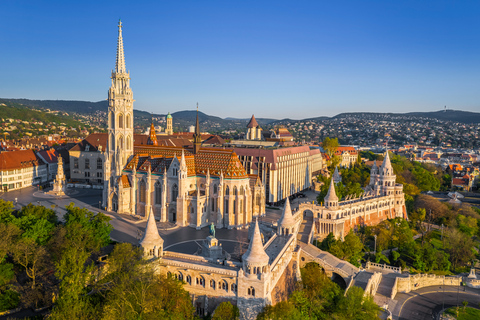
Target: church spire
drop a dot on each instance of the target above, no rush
(331, 198)
(152, 242)
(197, 138)
(120, 65)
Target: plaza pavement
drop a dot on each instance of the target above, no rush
(130, 229)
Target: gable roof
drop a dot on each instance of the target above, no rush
(19, 159)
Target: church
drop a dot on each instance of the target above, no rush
(189, 186)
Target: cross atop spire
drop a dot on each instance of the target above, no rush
(120, 64)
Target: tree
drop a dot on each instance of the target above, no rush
(31, 256)
(226, 311)
(459, 246)
(132, 289)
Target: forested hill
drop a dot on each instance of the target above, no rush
(448, 115)
(85, 107)
(12, 110)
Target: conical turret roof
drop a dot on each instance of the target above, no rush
(255, 253)
(331, 195)
(336, 175)
(151, 236)
(287, 219)
(386, 165)
(253, 122)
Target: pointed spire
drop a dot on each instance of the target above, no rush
(197, 138)
(255, 253)
(151, 236)
(152, 138)
(286, 220)
(336, 175)
(183, 163)
(120, 64)
(331, 195)
(386, 167)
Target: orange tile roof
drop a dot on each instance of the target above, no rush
(18, 159)
(216, 161)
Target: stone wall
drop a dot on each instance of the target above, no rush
(285, 285)
(414, 282)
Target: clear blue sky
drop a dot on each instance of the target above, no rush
(275, 59)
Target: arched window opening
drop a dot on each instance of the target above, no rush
(158, 194)
(128, 120)
(120, 120)
(215, 189)
(142, 191)
(174, 192)
(189, 279)
(129, 143)
(212, 284)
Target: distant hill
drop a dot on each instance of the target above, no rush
(448, 115)
(64, 105)
(12, 110)
(261, 121)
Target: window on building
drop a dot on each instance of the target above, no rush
(99, 164)
(75, 163)
(158, 194)
(174, 192)
(99, 174)
(87, 174)
(142, 191)
(215, 189)
(87, 163)
(120, 120)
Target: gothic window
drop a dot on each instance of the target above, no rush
(242, 191)
(180, 276)
(235, 205)
(227, 191)
(129, 143)
(87, 163)
(213, 204)
(142, 191)
(212, 284)
(120, 120)
(112, 119)
(127, 124)
(189, 279)
(174, 192)
(235, 192)
(120, 143)
(158, 194)
(226, 206)
(215, 189)
(99, 164)
(241, 206)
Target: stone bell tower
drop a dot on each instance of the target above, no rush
(120, 120)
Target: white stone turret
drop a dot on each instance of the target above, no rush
(286, 224)
(151, 241)
(331, 199)
(255, 260)
(385, 182)
(336, 176)
(386, 167)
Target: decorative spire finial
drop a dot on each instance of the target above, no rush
(120, 65)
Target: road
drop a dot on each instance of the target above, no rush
(426, 303)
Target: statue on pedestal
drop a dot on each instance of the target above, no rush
(212, 230)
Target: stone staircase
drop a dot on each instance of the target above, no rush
(305, 229)
(361, 279)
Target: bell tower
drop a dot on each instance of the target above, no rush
(120, 112)
(120, 124)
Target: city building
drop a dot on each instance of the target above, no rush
(254, 132)
(284, 171)
(20, 169)
(187, 185)
(348, 156)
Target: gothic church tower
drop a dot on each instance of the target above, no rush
(120, 119)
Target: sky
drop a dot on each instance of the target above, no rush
(275, 59)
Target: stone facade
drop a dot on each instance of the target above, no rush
(266, 276)
(383, 199)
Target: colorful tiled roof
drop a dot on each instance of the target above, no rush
(214, 160)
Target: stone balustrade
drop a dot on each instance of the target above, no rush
(372, 265)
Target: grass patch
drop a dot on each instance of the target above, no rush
(467, 314)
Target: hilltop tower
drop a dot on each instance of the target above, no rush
(254, 132)
(169, 129)
(120, 120)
